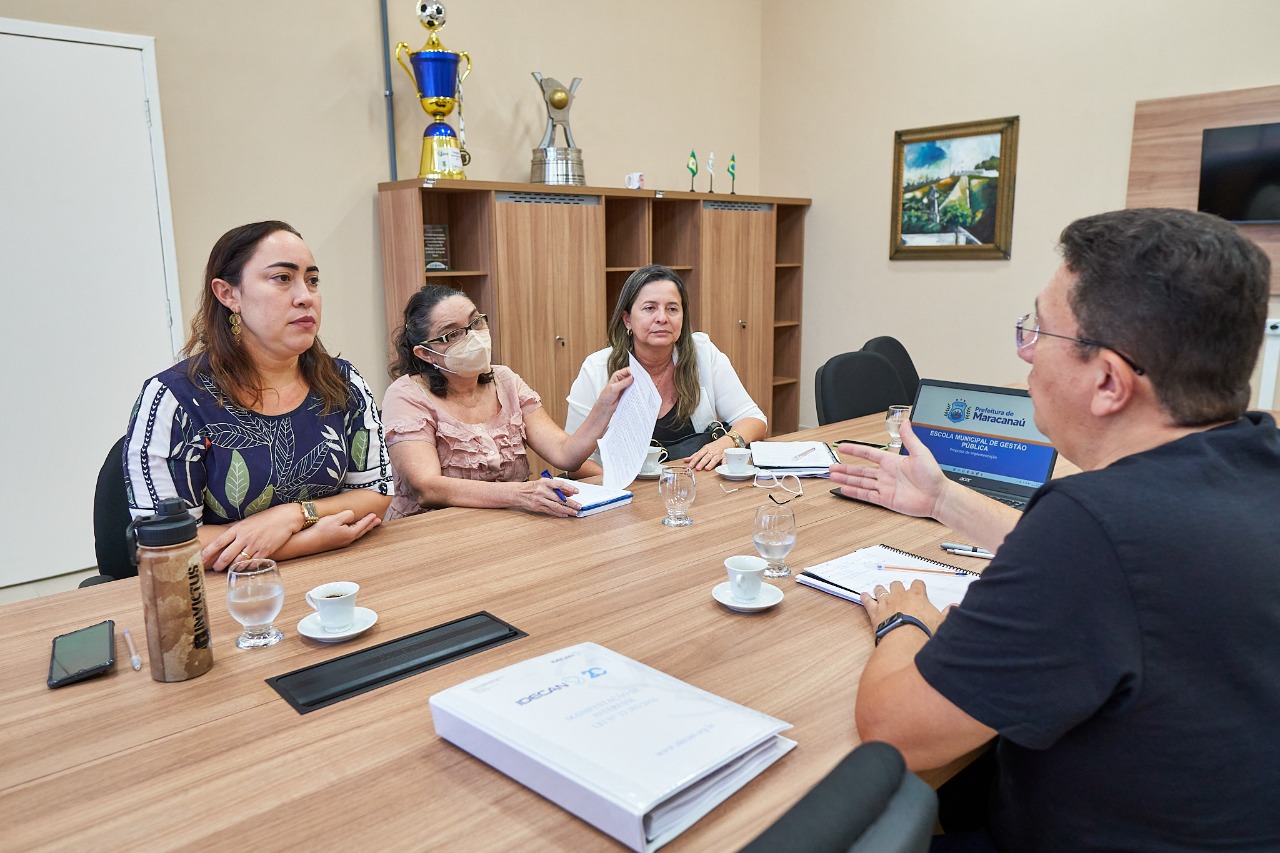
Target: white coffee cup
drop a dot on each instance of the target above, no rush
(653, 458)
(634, 181)
(336, 604)
(745, 575)
(737, 460)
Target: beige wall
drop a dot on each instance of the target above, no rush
(274, 109)
(852, 73)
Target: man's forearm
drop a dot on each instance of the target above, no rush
(981, 520)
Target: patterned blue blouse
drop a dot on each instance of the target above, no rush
(228, 463)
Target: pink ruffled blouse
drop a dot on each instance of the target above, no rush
(493, 451)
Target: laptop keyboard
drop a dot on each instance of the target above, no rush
(1016, 503)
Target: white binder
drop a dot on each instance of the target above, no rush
(634, 752)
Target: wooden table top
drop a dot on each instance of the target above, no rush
(221, 760)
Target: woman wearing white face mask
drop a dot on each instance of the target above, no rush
(457, 426)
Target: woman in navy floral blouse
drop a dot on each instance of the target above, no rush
(275, 445)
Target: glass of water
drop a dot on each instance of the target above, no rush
(893, 422)
(255, 595)
(677, 488)
(774, 536)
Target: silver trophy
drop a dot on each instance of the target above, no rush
(552, 165)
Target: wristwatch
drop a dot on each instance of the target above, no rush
(737, 439)
(309, 514)
(897, 620)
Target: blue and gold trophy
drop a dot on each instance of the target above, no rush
(436, 75)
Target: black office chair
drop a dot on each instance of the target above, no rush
(110, 518)
(892, 349)
(869, 803)
(854, 384)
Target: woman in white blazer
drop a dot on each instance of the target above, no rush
(698, 385)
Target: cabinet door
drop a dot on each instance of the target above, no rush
(550, 271)
(736, 291)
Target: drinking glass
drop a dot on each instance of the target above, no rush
(677, 489)
(255, 595)
(774, 537)
(893, 422)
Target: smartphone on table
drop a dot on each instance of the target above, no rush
(83, 654)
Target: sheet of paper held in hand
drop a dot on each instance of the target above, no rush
(623, 445)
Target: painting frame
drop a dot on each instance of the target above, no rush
(928, 220)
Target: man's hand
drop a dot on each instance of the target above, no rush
(911, 601)
(911, 485)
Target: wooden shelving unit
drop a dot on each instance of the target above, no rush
(548, 263)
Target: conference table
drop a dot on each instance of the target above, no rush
(223, 762)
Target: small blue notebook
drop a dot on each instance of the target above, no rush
(596, 499)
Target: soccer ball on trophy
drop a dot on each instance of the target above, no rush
(432, 15)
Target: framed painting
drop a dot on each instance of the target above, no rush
(953, 191)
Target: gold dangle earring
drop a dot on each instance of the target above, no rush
(236, 332)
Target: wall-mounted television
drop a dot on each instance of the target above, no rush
(1240, 173)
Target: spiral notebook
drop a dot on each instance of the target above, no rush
(880, 565)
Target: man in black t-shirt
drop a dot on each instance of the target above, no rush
(1124, 644)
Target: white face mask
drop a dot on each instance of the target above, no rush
(469, 357)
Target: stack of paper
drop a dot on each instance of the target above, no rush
(801, 458)
(856, 574)
(634, 752)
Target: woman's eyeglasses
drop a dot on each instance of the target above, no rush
(788, 483)
(479, 323)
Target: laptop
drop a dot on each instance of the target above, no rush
(984, 437)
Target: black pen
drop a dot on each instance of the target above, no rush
(547, 474)
(810, 574)
(863, 443)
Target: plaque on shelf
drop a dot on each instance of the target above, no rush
(435, 246)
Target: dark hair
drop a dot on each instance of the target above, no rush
(415, 329)
(231, 366)
(1183, 294)
(686, 379)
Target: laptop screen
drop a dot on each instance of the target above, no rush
(983, 436)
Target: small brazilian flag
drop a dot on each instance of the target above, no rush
(693, 164)
(733, 165)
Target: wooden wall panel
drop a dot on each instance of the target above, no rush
(1164, 162)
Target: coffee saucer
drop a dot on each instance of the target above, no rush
(723, 471)
(310, 627)
(648, 475)
(768, 597)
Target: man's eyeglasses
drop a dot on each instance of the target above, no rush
(480, 323)
(1028, 330)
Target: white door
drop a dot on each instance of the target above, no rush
(87, 277)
